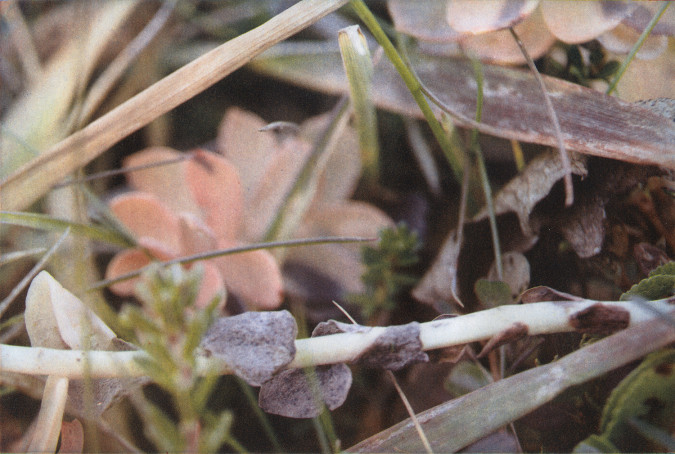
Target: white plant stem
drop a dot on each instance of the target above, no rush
(539, 318)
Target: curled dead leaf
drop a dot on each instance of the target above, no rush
(55, 318)
(291, 393)
(256, 345)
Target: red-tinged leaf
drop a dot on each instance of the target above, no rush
(72, 437)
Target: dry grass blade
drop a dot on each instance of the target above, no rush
(453, 425)
(564, 158)
(592, 122)
(34, 179)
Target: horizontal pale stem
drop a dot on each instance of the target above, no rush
(540, 318)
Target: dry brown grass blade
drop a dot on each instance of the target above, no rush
(35, 178)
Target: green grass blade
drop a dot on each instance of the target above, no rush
(49, 223)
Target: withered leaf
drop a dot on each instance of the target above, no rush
(72, 437)
(543, 293)
(397, 347)
(512, 333)
(92, 399)
(522, 193)
(519, 196)
(592, 122)
(584, 229)
(290, 393)
(255, 345)
(600, 319)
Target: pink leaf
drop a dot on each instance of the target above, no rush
(196, 237)
(247, 148)
(500, 47)
(146, 216)
(122, 263)
(212, 285)
(424, 20)
(469, 16)
(590, 19)
(166, 182)
(216, 187)
(252, 276)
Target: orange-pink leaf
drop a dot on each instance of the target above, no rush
(122, 263)
(500, 47)
(244, 146)
(252, 276)
(167, 182)
(72, 437)
(196, 237)
(212, 284)
(578, 22)
(216, 187)
(470, 16)
(145, 216)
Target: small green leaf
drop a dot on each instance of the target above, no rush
(659, 284)
(492, 293)
(646, 395)
(465, 377)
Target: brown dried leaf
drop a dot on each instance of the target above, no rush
(72, 437)
(543, 293)
(520, 196)
(522, 193)
(600, 319)
(398, 347)
(289, 393)
(591, 122)
(584, 229)
(255, 345)
(511, 334)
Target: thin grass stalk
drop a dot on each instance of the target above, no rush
(636, 47)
